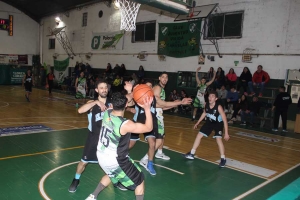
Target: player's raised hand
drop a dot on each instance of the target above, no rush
(198, 69)
(186, 101)
(128, 86)
(147, 101)
(101, 105)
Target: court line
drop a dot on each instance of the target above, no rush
(265, 183)
(7, 104)
(215, 163)
(44, 117)
(39, 153)
(173, 170)
(246, 139)
(41, 122)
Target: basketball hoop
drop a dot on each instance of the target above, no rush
(129, 11)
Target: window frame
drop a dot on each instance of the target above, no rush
(143, 23)
(84, 19)
(49, 43)
(224, 21)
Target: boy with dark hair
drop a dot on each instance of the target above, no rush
(216, 121)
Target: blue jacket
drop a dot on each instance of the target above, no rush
(233, 96)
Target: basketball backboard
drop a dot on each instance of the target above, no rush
(197, 12)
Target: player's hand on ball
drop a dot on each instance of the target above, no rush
(226, 137)
(101, 105)
(147, 103)
(186, 101)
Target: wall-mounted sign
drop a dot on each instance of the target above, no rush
(7, 25)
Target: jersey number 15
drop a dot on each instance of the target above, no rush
(104, 139)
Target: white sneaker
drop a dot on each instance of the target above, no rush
(162, 156)
(144, 162)
(226, 111)
(91, 197)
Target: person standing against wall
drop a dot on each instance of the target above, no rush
(49, 81)
(280, 106)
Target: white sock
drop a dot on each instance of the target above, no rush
(223, 156)
(159, 151)
(193, 117)
(145, 157)
(193, 151)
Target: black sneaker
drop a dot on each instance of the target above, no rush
(74, 185)
(192, 119)
(222, 162)
(189, 156)
(121, 187)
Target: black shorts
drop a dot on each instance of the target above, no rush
(28, 88)
(89, 152)
(152, 133)
(208, 127)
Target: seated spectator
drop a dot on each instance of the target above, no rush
(231, 78)
(92, 88)
(260, 79)
(141, 73)
(252, 110)
(108, 69)
(210, 74)
(222, 95)
(241, 106)
(183, 108)
(232, 98)
(220, 78)
(173, 97)
(244, 79)
(116, 84)
(122, 70)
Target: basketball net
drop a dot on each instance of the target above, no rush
(129, 11)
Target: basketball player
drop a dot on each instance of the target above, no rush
(216, 121)
(201, 86)
(113, 147)
(161, 104)
(81, 88)
(28, 82)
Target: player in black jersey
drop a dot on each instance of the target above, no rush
(215, 121)
(28, 82)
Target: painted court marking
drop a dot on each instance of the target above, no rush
(5, 104)
(249, 168)
(291, 191)
(265, 183)
(259, 137)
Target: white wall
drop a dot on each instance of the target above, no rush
(270, 26)
(25, 39)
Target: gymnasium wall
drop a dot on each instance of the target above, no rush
(25, 39)
(269, 26)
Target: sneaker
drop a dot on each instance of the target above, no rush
(243, 123)
(189, 156)
(27, 98)
(162, 156)
(274, 129)
(283, 130)
(226, 111)
(74, 185)
(151, 169)
(260, 95)
(144, 162)
(222, 162)
(91, 197)
(121, 187)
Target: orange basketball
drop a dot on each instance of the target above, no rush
(140, 92)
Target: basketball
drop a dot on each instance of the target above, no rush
(140, 92)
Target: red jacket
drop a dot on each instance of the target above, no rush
(231, 77)
(260, 77)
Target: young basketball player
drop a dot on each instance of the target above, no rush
(81, 88)
(216, 121)
(28, 82)
(201, 86)
(113, 147)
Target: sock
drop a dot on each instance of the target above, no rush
(159, 151)
(139, 197)
(193, 117)
(193, 151)
(223, 156)
(98, 189)
(77, 176)
(145, 157)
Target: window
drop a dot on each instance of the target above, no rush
(145, 32)
(84, 19)
(51, 43)
(225, 25)
(186, 79)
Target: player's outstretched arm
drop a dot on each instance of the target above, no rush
(131, 127)
(201, 118)
(86, 107)
(222, 113)
(212, 79)
(197, 78)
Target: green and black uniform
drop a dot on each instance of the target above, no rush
(113, 150)
(160, 117)
(81, 93)
(200, 100)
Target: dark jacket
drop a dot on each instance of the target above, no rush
(254, 107)
(282, 101)
(246, 76)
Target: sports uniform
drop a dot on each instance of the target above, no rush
(112, 153)
(200, 98)
(81, 93)
(140, 117)
(160, 118)
(28, 83)
(95, 118)
(213, 122)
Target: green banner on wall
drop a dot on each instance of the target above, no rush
(16, 75)
(61, 65)
(179, 39)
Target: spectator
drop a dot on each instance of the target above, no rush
(244, 79)
(281, 106)
(222, 95)
(134, 79)
(122, 70)
(174, 96)
(232, 98)
(259, 79)
(92, 88)
(108, 70)
(220, 78)
(252, 110)
(141, 73)
(231, 78)
(241, 106)
(117, 70)
(49, 80)
(210, 74)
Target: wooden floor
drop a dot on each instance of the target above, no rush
(271, 152)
